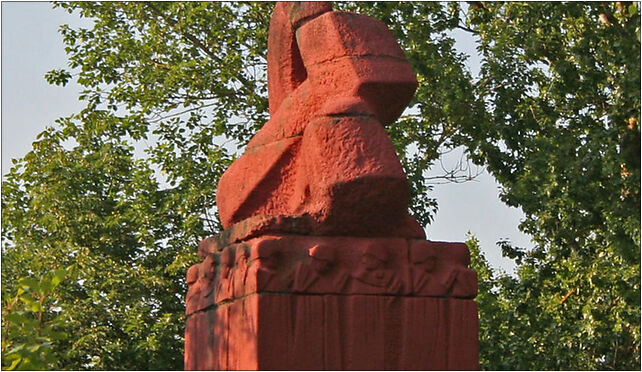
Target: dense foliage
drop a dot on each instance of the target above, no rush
(561, 83)
(121, 193)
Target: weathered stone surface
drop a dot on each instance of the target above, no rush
(331, 265)
(320, 266)
(338, 265)
(319, 302)
(324, 154)
(317, 332)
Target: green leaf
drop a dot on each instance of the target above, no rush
(29, 284)
(58, 277)
(14, 364)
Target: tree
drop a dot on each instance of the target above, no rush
(31, 322)
(125, 189)
(561, 83)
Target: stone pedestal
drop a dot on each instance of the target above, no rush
(319, 302)
(282, 287)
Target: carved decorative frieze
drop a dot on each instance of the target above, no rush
(331, 265)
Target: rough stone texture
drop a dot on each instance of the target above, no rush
(320, 266)
(318, 302)
(334, 78)
(331, 265)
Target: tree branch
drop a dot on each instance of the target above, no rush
(154, 120)
(567, 296)
(467, 29)
(194, 41)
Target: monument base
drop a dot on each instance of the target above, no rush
(334, 332)
(326, 302)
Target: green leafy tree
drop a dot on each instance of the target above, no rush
(561, 84)
(32, 322)
(125, 189)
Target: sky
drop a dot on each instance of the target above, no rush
(31, 46)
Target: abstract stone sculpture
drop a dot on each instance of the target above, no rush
(334, 79)
(320, 266)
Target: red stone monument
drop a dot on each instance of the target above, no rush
(320, 265)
